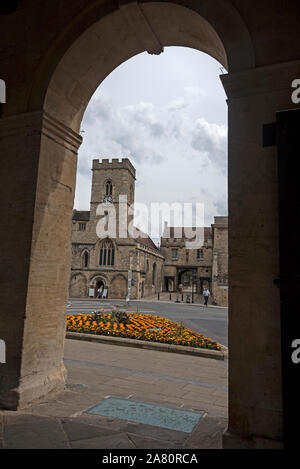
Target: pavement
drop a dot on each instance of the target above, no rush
(99, 372)
(162, 297)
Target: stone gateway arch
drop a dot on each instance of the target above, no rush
(51, 71)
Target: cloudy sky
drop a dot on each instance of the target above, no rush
(168, 115)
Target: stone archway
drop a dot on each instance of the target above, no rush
(97, 281)
(104, 44)
(118, 287)
(78, 286)
(40, 127)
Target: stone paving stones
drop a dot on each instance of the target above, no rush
(100, 373)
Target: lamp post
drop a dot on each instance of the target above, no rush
(193, 280)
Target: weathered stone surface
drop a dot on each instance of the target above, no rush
(32, 432)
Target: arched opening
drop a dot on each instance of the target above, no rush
(89, 58)
(78, 287)
(86, 48)
(99, 288)
(148, 284)
(118, 287)
(85, 259)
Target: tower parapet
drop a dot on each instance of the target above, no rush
(115, 163)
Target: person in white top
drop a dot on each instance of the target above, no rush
(206, 294)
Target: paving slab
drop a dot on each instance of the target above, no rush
(142, 442)
(99, 371)
(76, 430)
(115, 441)
(32, 432)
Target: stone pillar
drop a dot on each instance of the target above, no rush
(38, 172)
(255, 396)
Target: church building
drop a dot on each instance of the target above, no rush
(112, 260)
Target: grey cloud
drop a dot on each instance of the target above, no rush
(210, 139)
(157, 130)
(144, 114)
(84, 169)
(221, 207)
(146, 133)
(100, 108)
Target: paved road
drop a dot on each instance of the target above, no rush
(210, 321)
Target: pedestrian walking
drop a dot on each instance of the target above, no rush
(206, 295)
(100, 292)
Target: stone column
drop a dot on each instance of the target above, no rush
(255, 397)
(38, 172)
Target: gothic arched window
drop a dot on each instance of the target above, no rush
(108, 188)
(86, 259)
(107, 253)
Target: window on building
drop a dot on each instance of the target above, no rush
(154, 274)
(108, 188)
(107, 253)
(174, 254)
(199, 253)
(82, 226)
(86, 259)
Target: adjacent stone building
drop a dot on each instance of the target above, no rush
(106, 256)
(196, 268)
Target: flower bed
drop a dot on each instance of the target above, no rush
(138, 326)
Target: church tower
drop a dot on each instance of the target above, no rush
(113, 188)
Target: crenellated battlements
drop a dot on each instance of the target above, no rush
(114, 163)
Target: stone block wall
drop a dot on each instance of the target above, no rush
(220, 261)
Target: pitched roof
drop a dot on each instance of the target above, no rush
(145, 239)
